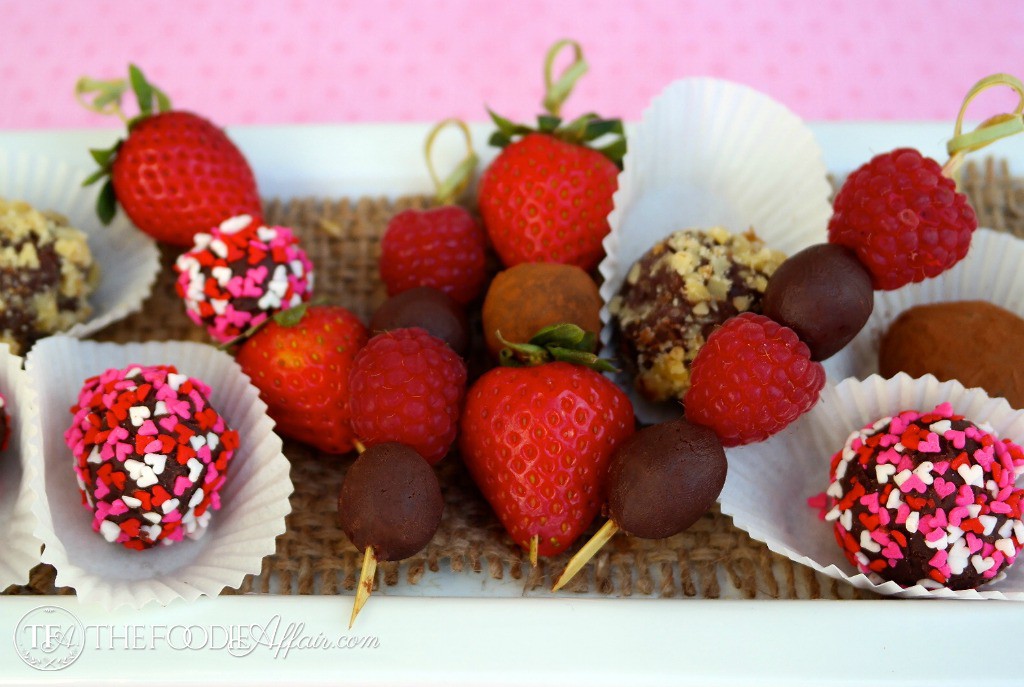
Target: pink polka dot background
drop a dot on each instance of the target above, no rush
(294, 61)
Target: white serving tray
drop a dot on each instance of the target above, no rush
(468, 629)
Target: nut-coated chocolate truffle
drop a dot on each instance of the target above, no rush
(426, 308)
(677, 293)
(974, 342)
(664, 478)
(824, 294)
(390, 500)
(47, 274)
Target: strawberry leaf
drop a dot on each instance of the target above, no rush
(292, 316)
(143, 90)
(94, 177)
(106, 203)
(596, 128)
(548, 124)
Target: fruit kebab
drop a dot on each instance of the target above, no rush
(390, 506)
(176, 173)
(897, 220)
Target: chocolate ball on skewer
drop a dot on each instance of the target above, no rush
(390, 506)
(660, 481)
(429, 309)
(824, 294)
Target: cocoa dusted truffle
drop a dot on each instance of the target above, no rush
(824, 294)
(426, 308)
(664, 478)
(929, 499)
(47, 274)
(391, 501)
(974, 342)
(151, 454)
(677, 293)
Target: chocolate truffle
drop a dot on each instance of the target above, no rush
(239, 274)
(974, 342)
(390, 500)
(677, 293)
(151, 454)
(47, 274)
(664, 478)
(426, 308)
(929, 499)
(824, 294)
(524, 299)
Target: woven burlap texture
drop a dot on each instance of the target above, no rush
(315, 557)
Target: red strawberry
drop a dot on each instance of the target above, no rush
(176, 174)
(546, 197)
(546, 200)
(537, 441)
(301, 369)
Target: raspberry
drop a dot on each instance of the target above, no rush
(752, 378)
(905, 220)
(407, 386)
(442, 247)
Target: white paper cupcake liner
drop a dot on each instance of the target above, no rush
(128, 259)
(769, 483)
(254, 498)
(710, 153)
(993, 271)
(19, 547)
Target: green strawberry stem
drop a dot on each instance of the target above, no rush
(557, 92)
(585, 130)
(104, 97)
(448, 190)
(286, 318)
(558, 343)
(991, 130)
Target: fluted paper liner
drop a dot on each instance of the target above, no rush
(254, 497)
(991, 271)
(19, 547)
(710, 153)
(769, 483)
(128, 259)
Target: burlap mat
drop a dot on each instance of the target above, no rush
(710, 560)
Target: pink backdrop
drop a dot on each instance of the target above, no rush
(251, 61)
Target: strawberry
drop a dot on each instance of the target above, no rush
(300, 361)
(176, 174)
(538, 439)
(546, 197)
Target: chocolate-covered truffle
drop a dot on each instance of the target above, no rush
(238, 274)
(664, 478)
(47, 274)
(824, 294)
(151, 454)
(927, 498)
(677, 293)
(974, 342)
(390, 500)
(426, 308)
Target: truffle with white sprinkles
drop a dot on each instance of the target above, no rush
(151, 454)
(929, 499)
(239, 274)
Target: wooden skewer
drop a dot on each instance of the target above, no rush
(588, 551)
(534, 544)
(365, 585)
